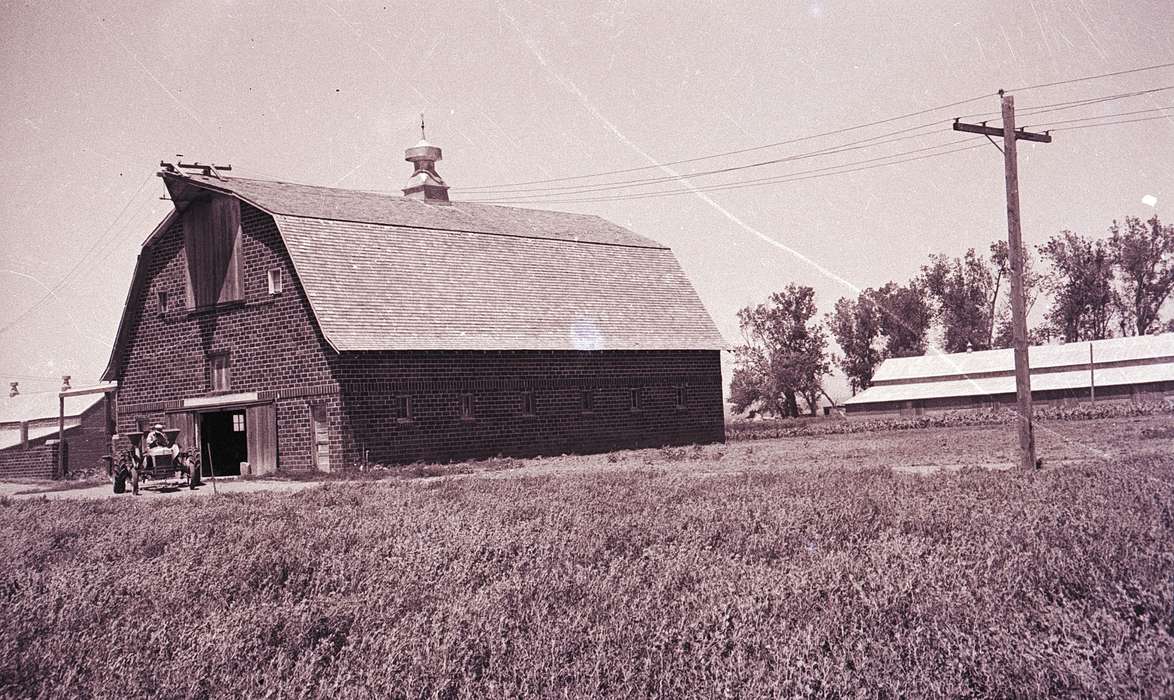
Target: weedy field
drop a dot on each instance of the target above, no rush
(803, 566)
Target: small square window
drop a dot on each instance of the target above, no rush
(528, 408)
(275, 281)
(403, 409)
(218, 371)
(587, 400)
(467, 407)
(238, 422)
(682, 396)
(162, 302)
(634, 399)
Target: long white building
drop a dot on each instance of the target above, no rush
(1136, 368)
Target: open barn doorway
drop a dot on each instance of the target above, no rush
(223, 442)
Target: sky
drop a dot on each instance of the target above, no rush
(94, 95)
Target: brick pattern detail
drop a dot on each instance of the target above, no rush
(277, 351)
(37, 462)
(273, 343)
(86, 443)
(371, 381)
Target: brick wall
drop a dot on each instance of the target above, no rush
(273, 344)
(276, 350)
(90, 441)
(435, 381)
(37, 462)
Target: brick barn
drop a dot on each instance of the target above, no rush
(1139, 368)
(290, 327)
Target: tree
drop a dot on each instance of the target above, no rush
(1002, 325)
(963, 291)
(1143, 255)
(784, 355)
(880, 323)
(972, 297)
(1081, 282)
(905, 317)
(856, 326)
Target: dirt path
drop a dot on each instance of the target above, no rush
(105, 490)
(928, 451)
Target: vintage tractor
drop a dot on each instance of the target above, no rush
(158, 463)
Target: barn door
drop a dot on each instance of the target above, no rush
(188, 427)
(261, 429)
(320, 425)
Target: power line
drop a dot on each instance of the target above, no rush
(80, 262)
(1091, 77)
(1031, 111)
(1107, 116)
(532, 194)
(768, 179)
(831, 150)
(842, 169)
(1073, 104)
(726, 153)
(639, 182)
(1123, 121)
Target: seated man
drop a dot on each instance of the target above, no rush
(158, 444)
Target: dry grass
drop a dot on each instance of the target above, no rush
(767, 578)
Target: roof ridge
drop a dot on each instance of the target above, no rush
(225, 178)
(450, 229)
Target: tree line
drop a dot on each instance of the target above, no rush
(1096, 288)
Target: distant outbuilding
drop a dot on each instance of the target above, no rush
(1115, 369)
(30, 440)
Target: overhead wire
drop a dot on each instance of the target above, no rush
(527, 194)
(100, 240)
(770, 178)
(1081, 79)
(799, 176)
(621, 171)
(1123, 121)
(1073, 104)
(723, 154)
(830, 150)
(1106, 116)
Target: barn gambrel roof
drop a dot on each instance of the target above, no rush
(384, 272)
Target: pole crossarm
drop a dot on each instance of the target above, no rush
(1020, 134)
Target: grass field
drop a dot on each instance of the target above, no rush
(803, 566)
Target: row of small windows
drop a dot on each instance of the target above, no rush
(527, 406)
(219, 377)
(219, 380)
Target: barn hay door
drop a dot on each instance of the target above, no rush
(261, 422)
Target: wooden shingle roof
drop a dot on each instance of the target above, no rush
(360, 206)
(384, 272)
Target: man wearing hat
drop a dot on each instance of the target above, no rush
(157, 438)
(158, 444)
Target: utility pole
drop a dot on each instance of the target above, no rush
(1015, 245)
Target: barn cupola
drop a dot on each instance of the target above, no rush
(425, 183)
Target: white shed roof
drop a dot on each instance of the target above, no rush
(1145, 347)
(991, 386)
(1117, 361)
